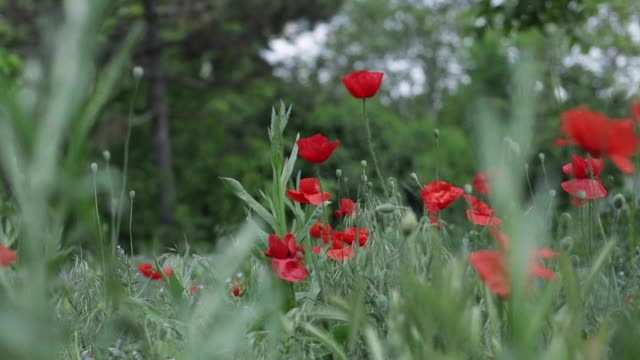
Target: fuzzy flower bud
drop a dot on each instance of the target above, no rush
(436, 133)
(138, 72)
(94, 167)
(106, 155)
(541, 157)
(409, 222)
(338, 173)
(132, 194)
(386, 208)
(414, 176)
(363, 163)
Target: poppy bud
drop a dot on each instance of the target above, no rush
(239, 274)
(370, 184)
(409, 222)
(132, 194)
(436, 133)
(541, 157)
(138, 72)
(338, 173)
(364, 178)
(582, 194)
(468, 188)
(526, 166)
(566, 217)
(386, 208)
(566, 243)
(618, 201)
(552, 193)
(106, 155)
(94, 167)
(414, 176)
(363, 163)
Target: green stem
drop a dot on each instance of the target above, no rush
(370, 142)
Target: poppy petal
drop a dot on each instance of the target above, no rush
(291, 270)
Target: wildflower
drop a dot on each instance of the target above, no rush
(481, 213)
(347, 207)
(309, 192)
(492, 268)
(439, 195)
(285, 257)
(317, 148)
(341, 254)
(147, 270)
(351, 234)
(481, 183)
(236, 292)
(363, 84)
(600, 136)
(7, 256)
(318, 229)
(317, 250)
(581, 168)
(194, 290)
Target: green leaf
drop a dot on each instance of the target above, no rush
(323, 337)
(287, 170)
(240, 192)
(597, 265)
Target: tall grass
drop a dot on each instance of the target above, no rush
(410, 294)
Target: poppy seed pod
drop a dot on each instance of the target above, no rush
(566, 243)
(94, 167)
(582, 194)
(618, 201)
(338, 173)
(132, 194)
(106, 155)
(541, 157)
(409, 222)
(468, 188)
(138, 72)
(436, 133)
(363, 163)
(414, 176)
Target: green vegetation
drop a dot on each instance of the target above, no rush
(152, 132)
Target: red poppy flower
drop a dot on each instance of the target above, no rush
(481, 213)
(147, 270)
(341, 254)
(290, 269)
(317, 250)
(319, 228)
(7, 256)
(600, 136)
(491, 265)
(581, 168)
(309, 192)
(236, 292)
(317, 148)
(363, 84)
(481, 183)
(591, 188)
(347, 207)
(285, 257)
(439, 195)
(194, 290)
(351, 234)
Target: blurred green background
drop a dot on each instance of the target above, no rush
(213, 70)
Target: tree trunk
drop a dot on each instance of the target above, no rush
(160, 119)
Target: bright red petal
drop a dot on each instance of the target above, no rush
(542, 272)
(291, 270)
(545, 253)
(297, 196)
(7, 256)
(592, 188)
(341, 254)
(491, 268)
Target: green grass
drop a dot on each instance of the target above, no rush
(410, 294)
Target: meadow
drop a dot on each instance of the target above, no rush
(528, 260)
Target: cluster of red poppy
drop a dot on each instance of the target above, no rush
(286, 256)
